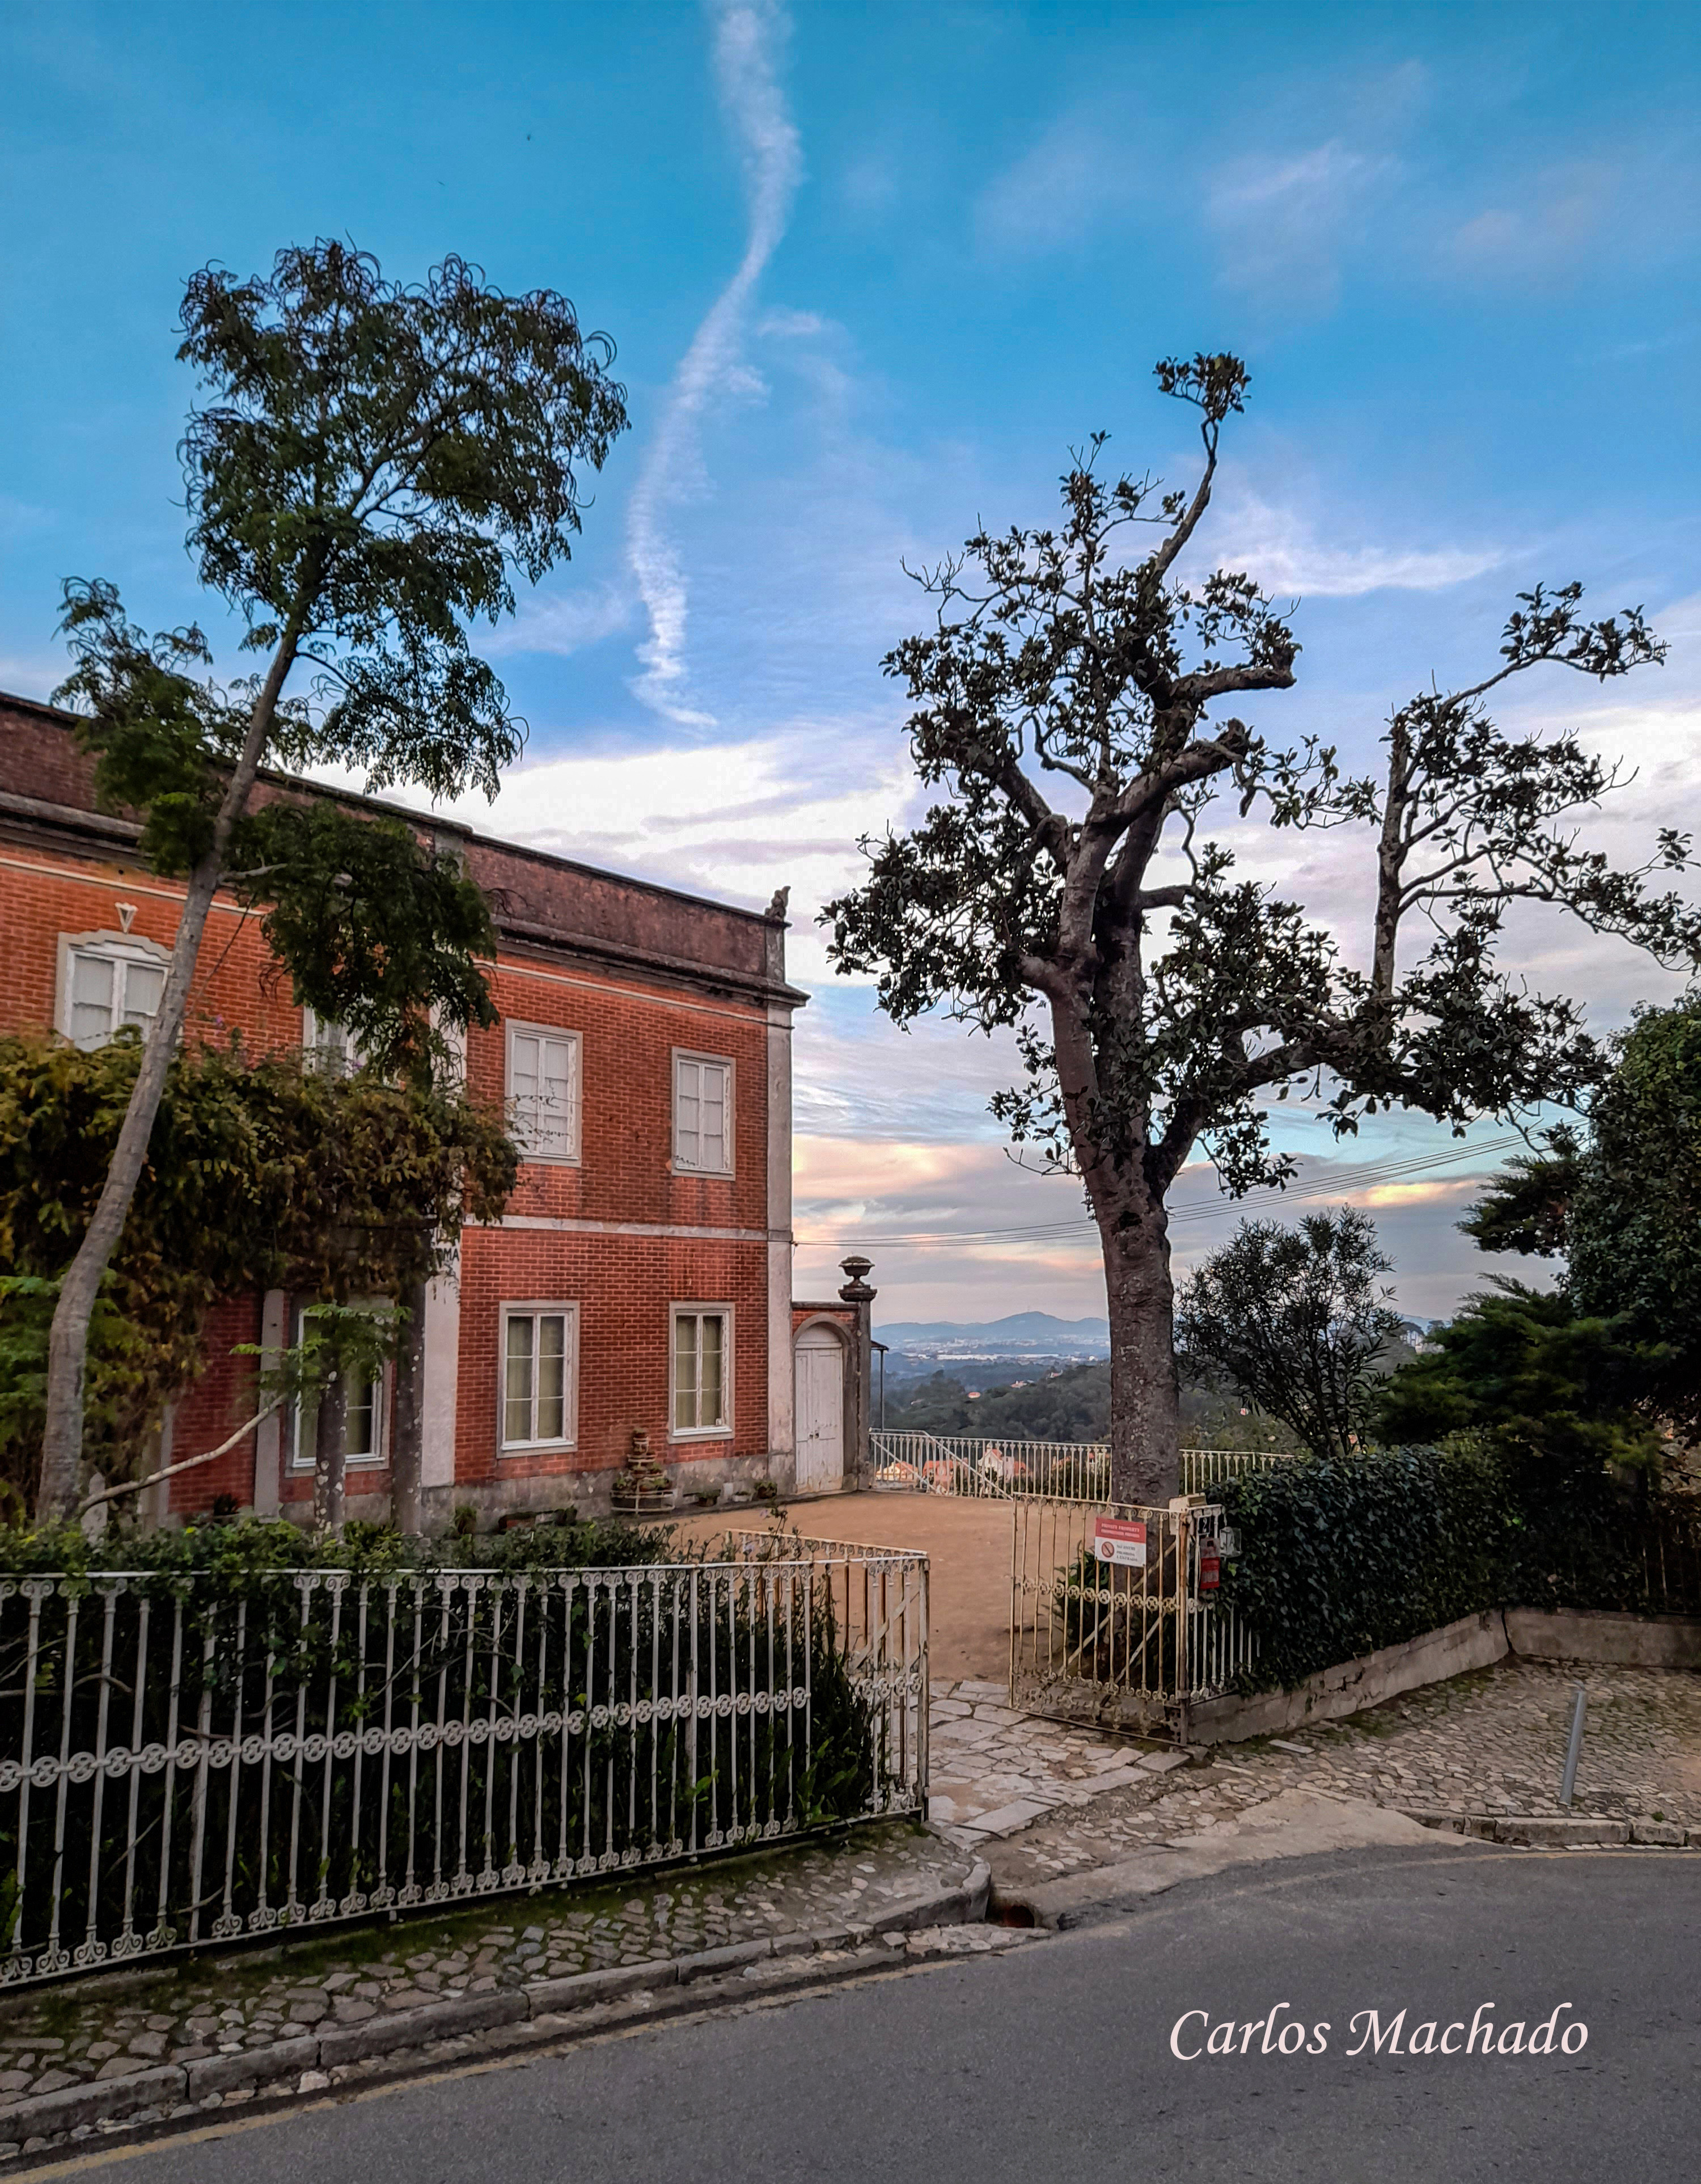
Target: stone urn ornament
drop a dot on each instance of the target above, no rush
(643, 1489)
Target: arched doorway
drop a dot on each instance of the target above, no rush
(819, 1364)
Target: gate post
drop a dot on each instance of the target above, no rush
(1181, 1510)
(856, 1291)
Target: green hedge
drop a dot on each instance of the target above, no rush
(1341, 1555)
(249, 1548)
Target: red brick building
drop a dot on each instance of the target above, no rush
(641, 1278)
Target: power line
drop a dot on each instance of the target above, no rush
(1364, 1176)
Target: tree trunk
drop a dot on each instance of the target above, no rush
(330, 1455)
(1145, 1391)
(62, 1439)
(407, 1437)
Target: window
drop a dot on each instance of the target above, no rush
(540, 1346)
(107, 981)
(702, 1115)
(331, 1048)
(702, 1370)
(543, 1091)
(363, 1432)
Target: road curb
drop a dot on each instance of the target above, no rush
(1547, 1830)
(546, 2009)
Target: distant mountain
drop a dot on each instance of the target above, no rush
(1021, 1333)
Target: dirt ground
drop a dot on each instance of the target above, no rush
(968, 1543)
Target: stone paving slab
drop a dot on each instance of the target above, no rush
(994, 1771)
(1483, 1751)
(319, 1998)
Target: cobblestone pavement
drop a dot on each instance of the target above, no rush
(1492, 1742)
(120, 2023)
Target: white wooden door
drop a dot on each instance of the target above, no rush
(820, 1411)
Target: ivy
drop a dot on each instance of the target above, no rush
(260, 1175)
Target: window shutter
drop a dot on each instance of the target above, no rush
(714, 1123)
(94, 983)
(143, 985)
(558, 1099)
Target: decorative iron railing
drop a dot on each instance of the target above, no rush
(1113, 1614)
(987, 1469)
(1203, 1469)
(1075, 1471)
(188, 1760)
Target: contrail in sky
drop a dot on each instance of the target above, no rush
(747, 34)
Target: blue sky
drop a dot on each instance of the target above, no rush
(871, 270)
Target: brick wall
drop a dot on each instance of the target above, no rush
(576, 1233)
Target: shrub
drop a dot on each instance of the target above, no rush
(1341, 1555)
(251, 1549)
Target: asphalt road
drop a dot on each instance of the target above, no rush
(1055, 2060)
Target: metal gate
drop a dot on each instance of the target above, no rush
(1114, 1618)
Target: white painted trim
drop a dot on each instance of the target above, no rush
(269, 1433)
(302, 1467)
(156, 1499)
(312, 1024)
(782, 1430)
(730, 1112)
(104, 882)
(749, 1014)
(566, 1036)
(528, 1308)
(729, 1377)
(440, 1394)
(118, 946)
(564, 1225)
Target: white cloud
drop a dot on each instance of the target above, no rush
(1281, 548)
(929, 1215)
(735, 820)
(1059, 190)
(1284, 221)
(746, 34)
(33, 674)
(1555, 222)
(792, 325)
(565, 622)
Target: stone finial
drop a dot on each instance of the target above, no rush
(782, 897)
(856, 1290)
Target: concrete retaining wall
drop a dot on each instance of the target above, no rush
(1624, 1642)
(1476, 1642)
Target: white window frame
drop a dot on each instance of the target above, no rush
(686, 1057)
(302, 1462)
(117, 949)
(341, 1059)
(534, 1309)
(699, 1312)
(551, 1156)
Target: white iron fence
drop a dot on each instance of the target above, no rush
(1203, 1469)
(956, 1463)
(1075, 1471)
(1114, 1617)
(184, 1761)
